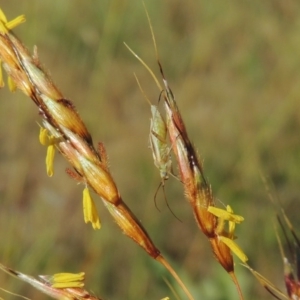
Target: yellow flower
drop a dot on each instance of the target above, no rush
(89, 210)
(234, 247)
(67, 280)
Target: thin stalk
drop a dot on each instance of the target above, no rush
(164, 262)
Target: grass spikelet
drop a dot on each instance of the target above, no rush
(196, 187)
(72, 139)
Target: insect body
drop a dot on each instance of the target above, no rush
(158, 144)
(158, 141)
(160, 149)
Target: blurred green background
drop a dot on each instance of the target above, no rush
(234, 68)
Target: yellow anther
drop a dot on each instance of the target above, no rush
(49, 141)
(67, 285)
(43, 136)
(234, 248)
(5, 26)
(225, 214)
(49, 160)
(67, 277)
(228, 237)
(15, 22)
(67, 280)
(89, 210)
(11, 84)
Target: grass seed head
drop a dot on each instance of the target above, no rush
(132, 227)
(67, 133)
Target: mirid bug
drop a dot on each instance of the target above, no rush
(158, 143)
